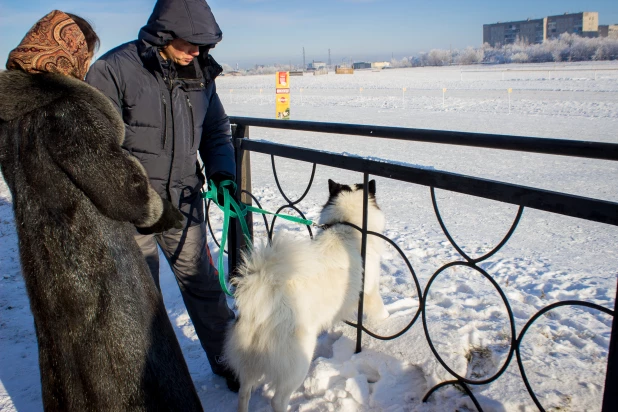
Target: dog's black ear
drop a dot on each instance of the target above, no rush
(333, 187)
(372, 187)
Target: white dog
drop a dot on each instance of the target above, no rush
(290, 291)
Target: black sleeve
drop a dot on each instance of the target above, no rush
(216, 149)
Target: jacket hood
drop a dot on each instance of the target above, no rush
(55, 44)
(190, 20)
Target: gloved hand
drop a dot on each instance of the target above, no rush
(170, 218)
(217, 178)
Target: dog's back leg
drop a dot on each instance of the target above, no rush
(244, 394)
(284, 389)
(374, 306)
(294, 371)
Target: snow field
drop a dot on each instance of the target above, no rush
(549, 258)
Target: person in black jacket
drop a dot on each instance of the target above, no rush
(163, 85)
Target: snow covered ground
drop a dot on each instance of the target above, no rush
(549, 258)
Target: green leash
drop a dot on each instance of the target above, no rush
(232, 209)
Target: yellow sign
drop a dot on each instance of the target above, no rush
(444, 90)
(404, 89)
(282, 103)
(510, 90)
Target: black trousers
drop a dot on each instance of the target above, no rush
(188, 255)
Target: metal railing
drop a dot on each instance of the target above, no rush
(525, 197)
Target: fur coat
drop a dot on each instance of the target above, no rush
(105, 341)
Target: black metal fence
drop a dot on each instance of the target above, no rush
(525, 197)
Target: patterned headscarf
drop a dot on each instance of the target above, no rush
(55, 44)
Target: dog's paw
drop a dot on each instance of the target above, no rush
(378, 315)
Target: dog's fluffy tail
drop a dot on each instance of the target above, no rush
(260, 294)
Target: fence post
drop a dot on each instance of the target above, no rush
(359, 319)
(443, 96)
(610, 395)
(243, 182)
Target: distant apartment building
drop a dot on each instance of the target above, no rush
(530, 31)
(603, 30)
(585, 24)
(538, 30)
(610, 30)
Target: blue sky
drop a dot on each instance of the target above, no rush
(268, 31)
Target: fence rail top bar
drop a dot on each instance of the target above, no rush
(560, 203)
(563, 147)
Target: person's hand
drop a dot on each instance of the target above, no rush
(217, 178)
(171, 218)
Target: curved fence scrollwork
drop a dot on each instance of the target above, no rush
(569, 205)
(291, 204)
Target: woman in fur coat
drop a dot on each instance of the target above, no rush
(105, 341)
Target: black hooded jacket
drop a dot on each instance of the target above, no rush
(170, 113)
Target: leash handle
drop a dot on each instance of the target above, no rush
(226, 222)
(228, 203)
(239, 212)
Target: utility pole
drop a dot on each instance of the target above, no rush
(329, 62)
(304, 67)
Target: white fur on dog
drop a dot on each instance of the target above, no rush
(290, 291)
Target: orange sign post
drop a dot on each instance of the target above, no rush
(282, 96)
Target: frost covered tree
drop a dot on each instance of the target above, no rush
(520, 57)
(438, 57)
(608, 50)
(470, 56)
(568, 47)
